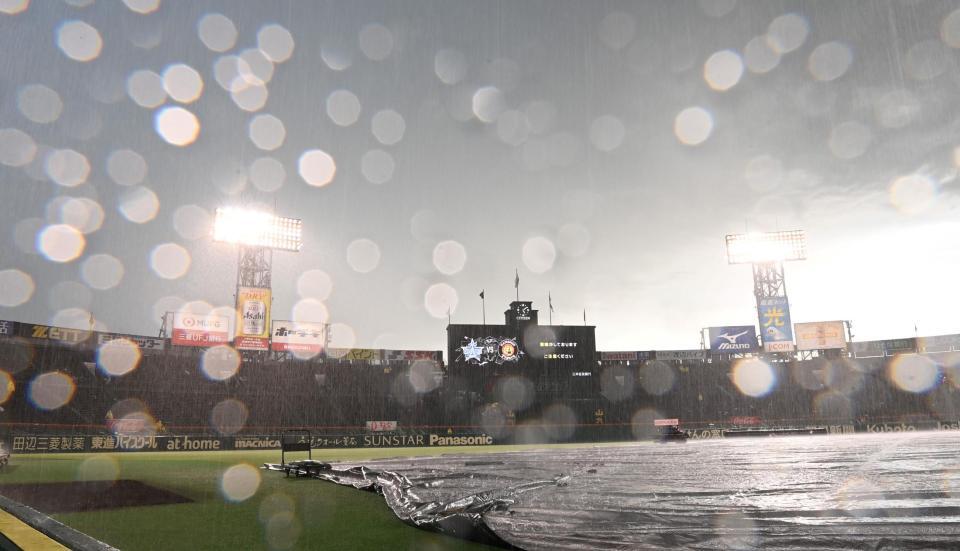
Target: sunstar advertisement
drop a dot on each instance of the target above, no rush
(253, 319)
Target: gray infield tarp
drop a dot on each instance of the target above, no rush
(867, 491)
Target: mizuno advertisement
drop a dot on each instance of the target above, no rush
(733, 339)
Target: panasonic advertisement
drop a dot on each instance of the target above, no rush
(733, 339)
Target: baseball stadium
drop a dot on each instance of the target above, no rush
(248, 250)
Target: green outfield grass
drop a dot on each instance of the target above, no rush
(284, 513)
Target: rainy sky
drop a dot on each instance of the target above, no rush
(602, 149)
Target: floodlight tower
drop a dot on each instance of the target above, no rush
(257, 235)
(766, 253)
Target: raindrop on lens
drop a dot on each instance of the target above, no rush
(61, 243)
(118, 357)
(52, 390)
(229, 416)
(693, 125)
(316, 167)
(217, 32)
(220, 363)
(275, 42)
(102, 271)
(377, 166)
(79, 41)
(240, 482)
(343, 107)
(376, 41)
(449, 257)
(539, 254)
(440, 299)
(753, 377)
(723, 70)
(16, 288)
(177, 126)
(17, 148)
(363, 255)
(170, 261)
(39, 103)
(139, 205)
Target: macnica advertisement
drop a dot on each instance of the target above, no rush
(253, 318)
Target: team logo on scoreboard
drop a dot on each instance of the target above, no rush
(485, 350)
(509, 351)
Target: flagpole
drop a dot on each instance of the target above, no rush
(516, 283)
(483, 305)
(550, 304)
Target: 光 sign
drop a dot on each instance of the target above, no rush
(733, 339)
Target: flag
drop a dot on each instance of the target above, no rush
(550, 301)
(516, 280)
(481, 293)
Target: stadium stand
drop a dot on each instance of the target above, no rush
(170, 394)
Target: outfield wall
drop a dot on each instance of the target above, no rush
(45, 443)
(27, 443)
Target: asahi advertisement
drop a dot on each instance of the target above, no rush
(253, 319)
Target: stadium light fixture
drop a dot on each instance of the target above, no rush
(257, 229)
(766, 248)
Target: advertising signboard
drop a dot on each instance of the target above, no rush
(199, 329)
(146, 344)
(775, 328)
(867, 349)
(62, 335)
(820, 335)
(680, 355)
(899, 346)
(666, 422)
(618, 356)
(253, 318)
(6, 328)
(733, 339)
(938, 343)
(354, 354)
(301, 337)
(381, 426)
(412, 355)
